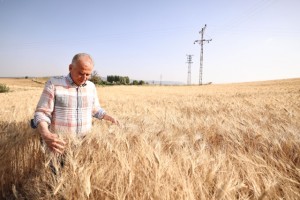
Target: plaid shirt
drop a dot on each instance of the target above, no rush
(67, 107)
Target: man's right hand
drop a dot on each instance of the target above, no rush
(52, 140)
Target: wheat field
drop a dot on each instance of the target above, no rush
(230, 141)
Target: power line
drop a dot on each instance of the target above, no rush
(201, 41)
(233, 25)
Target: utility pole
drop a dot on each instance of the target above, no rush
(160, 82)
(189, 61)
(201, 41)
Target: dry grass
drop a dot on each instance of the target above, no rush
(235, 141)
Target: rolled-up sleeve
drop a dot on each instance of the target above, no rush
(98, 112)
(45, 106)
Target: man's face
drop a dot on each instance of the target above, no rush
(81, 70)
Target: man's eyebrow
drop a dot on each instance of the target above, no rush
(85, 73)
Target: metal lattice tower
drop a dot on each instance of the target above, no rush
(160, 82)
(189, 62)
(201, 41)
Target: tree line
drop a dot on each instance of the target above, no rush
(114, 80)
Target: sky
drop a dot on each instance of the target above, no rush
(252, 40)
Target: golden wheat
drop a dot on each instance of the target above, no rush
(234, 141)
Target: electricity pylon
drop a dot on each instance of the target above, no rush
(201, 41)
(189, 62)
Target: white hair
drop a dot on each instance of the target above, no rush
(79, 55)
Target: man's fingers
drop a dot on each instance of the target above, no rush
(57, 150)
(55, 140)
(60, 142)
(56, 143)
(115, 121)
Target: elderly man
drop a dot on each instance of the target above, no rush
(68, 104)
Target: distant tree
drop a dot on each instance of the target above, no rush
(95, 78)
(114, 79)
(141, 82)
(124, 80)
(135, 82)
(109, 79)
(104, 82)
(117, 79)
(26, 77)
(4, 88)
(121, 80)
(127, 80)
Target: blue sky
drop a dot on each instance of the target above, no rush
(251, 40)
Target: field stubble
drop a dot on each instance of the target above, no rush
(235, 141)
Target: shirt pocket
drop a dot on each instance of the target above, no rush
(62, 101)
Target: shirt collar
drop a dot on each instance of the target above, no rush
(69, 78)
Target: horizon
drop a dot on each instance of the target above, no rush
(168, 83)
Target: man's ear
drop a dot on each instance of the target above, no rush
(70, 67)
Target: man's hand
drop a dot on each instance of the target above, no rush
(53, 142)
(111, 119)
